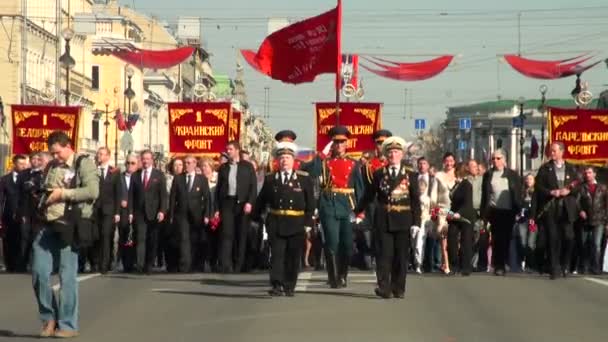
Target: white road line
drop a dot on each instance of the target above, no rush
(597, 281)
(303, 281)
(56, 287)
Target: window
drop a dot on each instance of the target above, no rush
(95, 77)
(95, 133)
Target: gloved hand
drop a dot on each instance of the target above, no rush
(327, 148)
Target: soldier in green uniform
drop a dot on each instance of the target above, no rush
(341, 186)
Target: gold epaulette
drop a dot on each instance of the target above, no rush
(301, 173)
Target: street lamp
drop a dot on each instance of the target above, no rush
(67, 61)
(522, 119)
(107, 122)
(543, 91)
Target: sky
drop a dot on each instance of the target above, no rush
(476, 31)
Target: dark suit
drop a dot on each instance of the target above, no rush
(397, 210)
(235, 224)
(501, 220)
(9, 200)
(103, 214)
(123, 207)
(462, 203)
(558, 219)
(188, 207)
(148, 201)
(292, 206)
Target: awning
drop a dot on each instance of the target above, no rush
(155, 59)
(550, 70)
(400, 71)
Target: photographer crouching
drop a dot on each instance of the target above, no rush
(72, 185)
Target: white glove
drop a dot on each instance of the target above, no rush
(358, 220)
(327, 148)
(307, 229)
(264, 234)
(414, 231)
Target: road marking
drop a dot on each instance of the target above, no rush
(597, 281)
(303, 281)
(56, 287)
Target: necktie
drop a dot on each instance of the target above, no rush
(285, 177)
(189, 183)
(393, 172)
(103, 173)
(146, 178)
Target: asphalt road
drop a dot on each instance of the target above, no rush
(212, 307)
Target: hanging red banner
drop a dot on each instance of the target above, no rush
(584, 132)
(235, 126)
(200, 128)
(362, 120)
(33, 124)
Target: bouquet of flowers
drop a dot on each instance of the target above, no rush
(129, 242)
(214, 223)
(450, 215)
(532, 227)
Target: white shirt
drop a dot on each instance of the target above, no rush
(424, 177)
(128, 180)
(104, 170)
(15, 174)
(283, 177)
(191, 175)
(143, 173)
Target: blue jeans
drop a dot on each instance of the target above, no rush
(591, 247)
(46, 249)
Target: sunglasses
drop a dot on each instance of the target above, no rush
(131, 163)
(496, 158)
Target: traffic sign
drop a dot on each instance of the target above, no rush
(465, 123)
(462, 145)
(419, 124)
(518, 122)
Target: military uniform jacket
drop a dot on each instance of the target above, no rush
(291, 205)
(398, 207)
(341, 184)
(371, 167)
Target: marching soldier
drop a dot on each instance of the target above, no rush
(280, 137)
(289, 194)
(395, 187)
(341, 186)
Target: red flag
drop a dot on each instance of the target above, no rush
(301, 51)
(120, 121)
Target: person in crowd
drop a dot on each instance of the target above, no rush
(9, 200)
(149, 210)
(284, 136)
(123, 213)
(170, 240)
(211, 229)
(341, 186)
(527, 229)
(235, 197)
(460, 228)
(395, 188)
(189, 205)
(593, 204)
(419, 234)
(289, 195)
(427, 243)
(224, 158)
(73, 185)
(446, 181)
(556, 190)
(475, 178)
(500, 203)
(245, 155)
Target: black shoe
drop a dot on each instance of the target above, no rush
(276, 291)
(466, 274)
(289, 293)
(553, 276)
(381, 293)
(565, 274)
(399, 295)
(342, 283)
(500, 273)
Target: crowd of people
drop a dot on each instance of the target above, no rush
(333, 213)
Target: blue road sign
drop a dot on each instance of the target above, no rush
(462, 145)
(419, 124)
(465, 123)
(517, 122)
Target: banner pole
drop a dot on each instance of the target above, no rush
(338, 61)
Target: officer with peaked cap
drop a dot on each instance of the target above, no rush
(341, 186)
(285, 135)
(289, 195)
(395, 188)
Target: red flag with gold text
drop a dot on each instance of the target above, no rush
(33, 124)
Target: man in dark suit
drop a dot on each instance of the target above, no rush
(556, 190)
(235, 196)
(123, 213)
(149, 208)
(104, 212)
(189, 205)
(9, 200)
(289, 194)
(395, 188)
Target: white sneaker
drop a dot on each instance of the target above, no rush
(418, 270)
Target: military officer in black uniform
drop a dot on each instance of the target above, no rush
(289, 195)
(395, 186)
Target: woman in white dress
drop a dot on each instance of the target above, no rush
(446, 180)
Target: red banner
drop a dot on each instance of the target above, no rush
(33, 124)
(584, 133)
(235, 126)
(199, 128)
(362, 120)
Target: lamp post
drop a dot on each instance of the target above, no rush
(522, 119)
(67, 61)
(129, 93)
(107, 122)
(543, 91)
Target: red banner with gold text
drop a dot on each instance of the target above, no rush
(235, 126)
(584, 133)
(33, 124)
(362, 120)
(200, 128)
